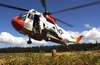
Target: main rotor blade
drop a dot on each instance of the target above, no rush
(90, 4)
(43, 4)
(64, 22)
(13, 7)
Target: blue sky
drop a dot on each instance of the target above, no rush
(79, 18)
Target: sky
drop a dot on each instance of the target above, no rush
(86, 21)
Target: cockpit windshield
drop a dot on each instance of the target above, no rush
(23, 16)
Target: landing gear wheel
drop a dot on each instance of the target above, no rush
(29, 42)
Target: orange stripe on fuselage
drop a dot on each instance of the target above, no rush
(51, 18)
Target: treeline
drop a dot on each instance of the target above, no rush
(59, 48)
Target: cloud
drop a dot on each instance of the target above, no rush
(87, 25)
(92, 35)
(7, 38)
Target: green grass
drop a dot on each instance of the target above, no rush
(75, 58)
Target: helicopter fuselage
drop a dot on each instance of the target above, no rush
(39, 27)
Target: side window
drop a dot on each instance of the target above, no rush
(30, 16)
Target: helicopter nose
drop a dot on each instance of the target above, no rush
(17, 24)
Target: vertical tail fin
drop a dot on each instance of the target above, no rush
(79, 38)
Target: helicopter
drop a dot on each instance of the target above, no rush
(41, 26)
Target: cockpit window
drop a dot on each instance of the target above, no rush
(22, 16)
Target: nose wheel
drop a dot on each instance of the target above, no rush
(29, 42)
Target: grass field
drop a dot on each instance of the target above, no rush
(62, 58)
